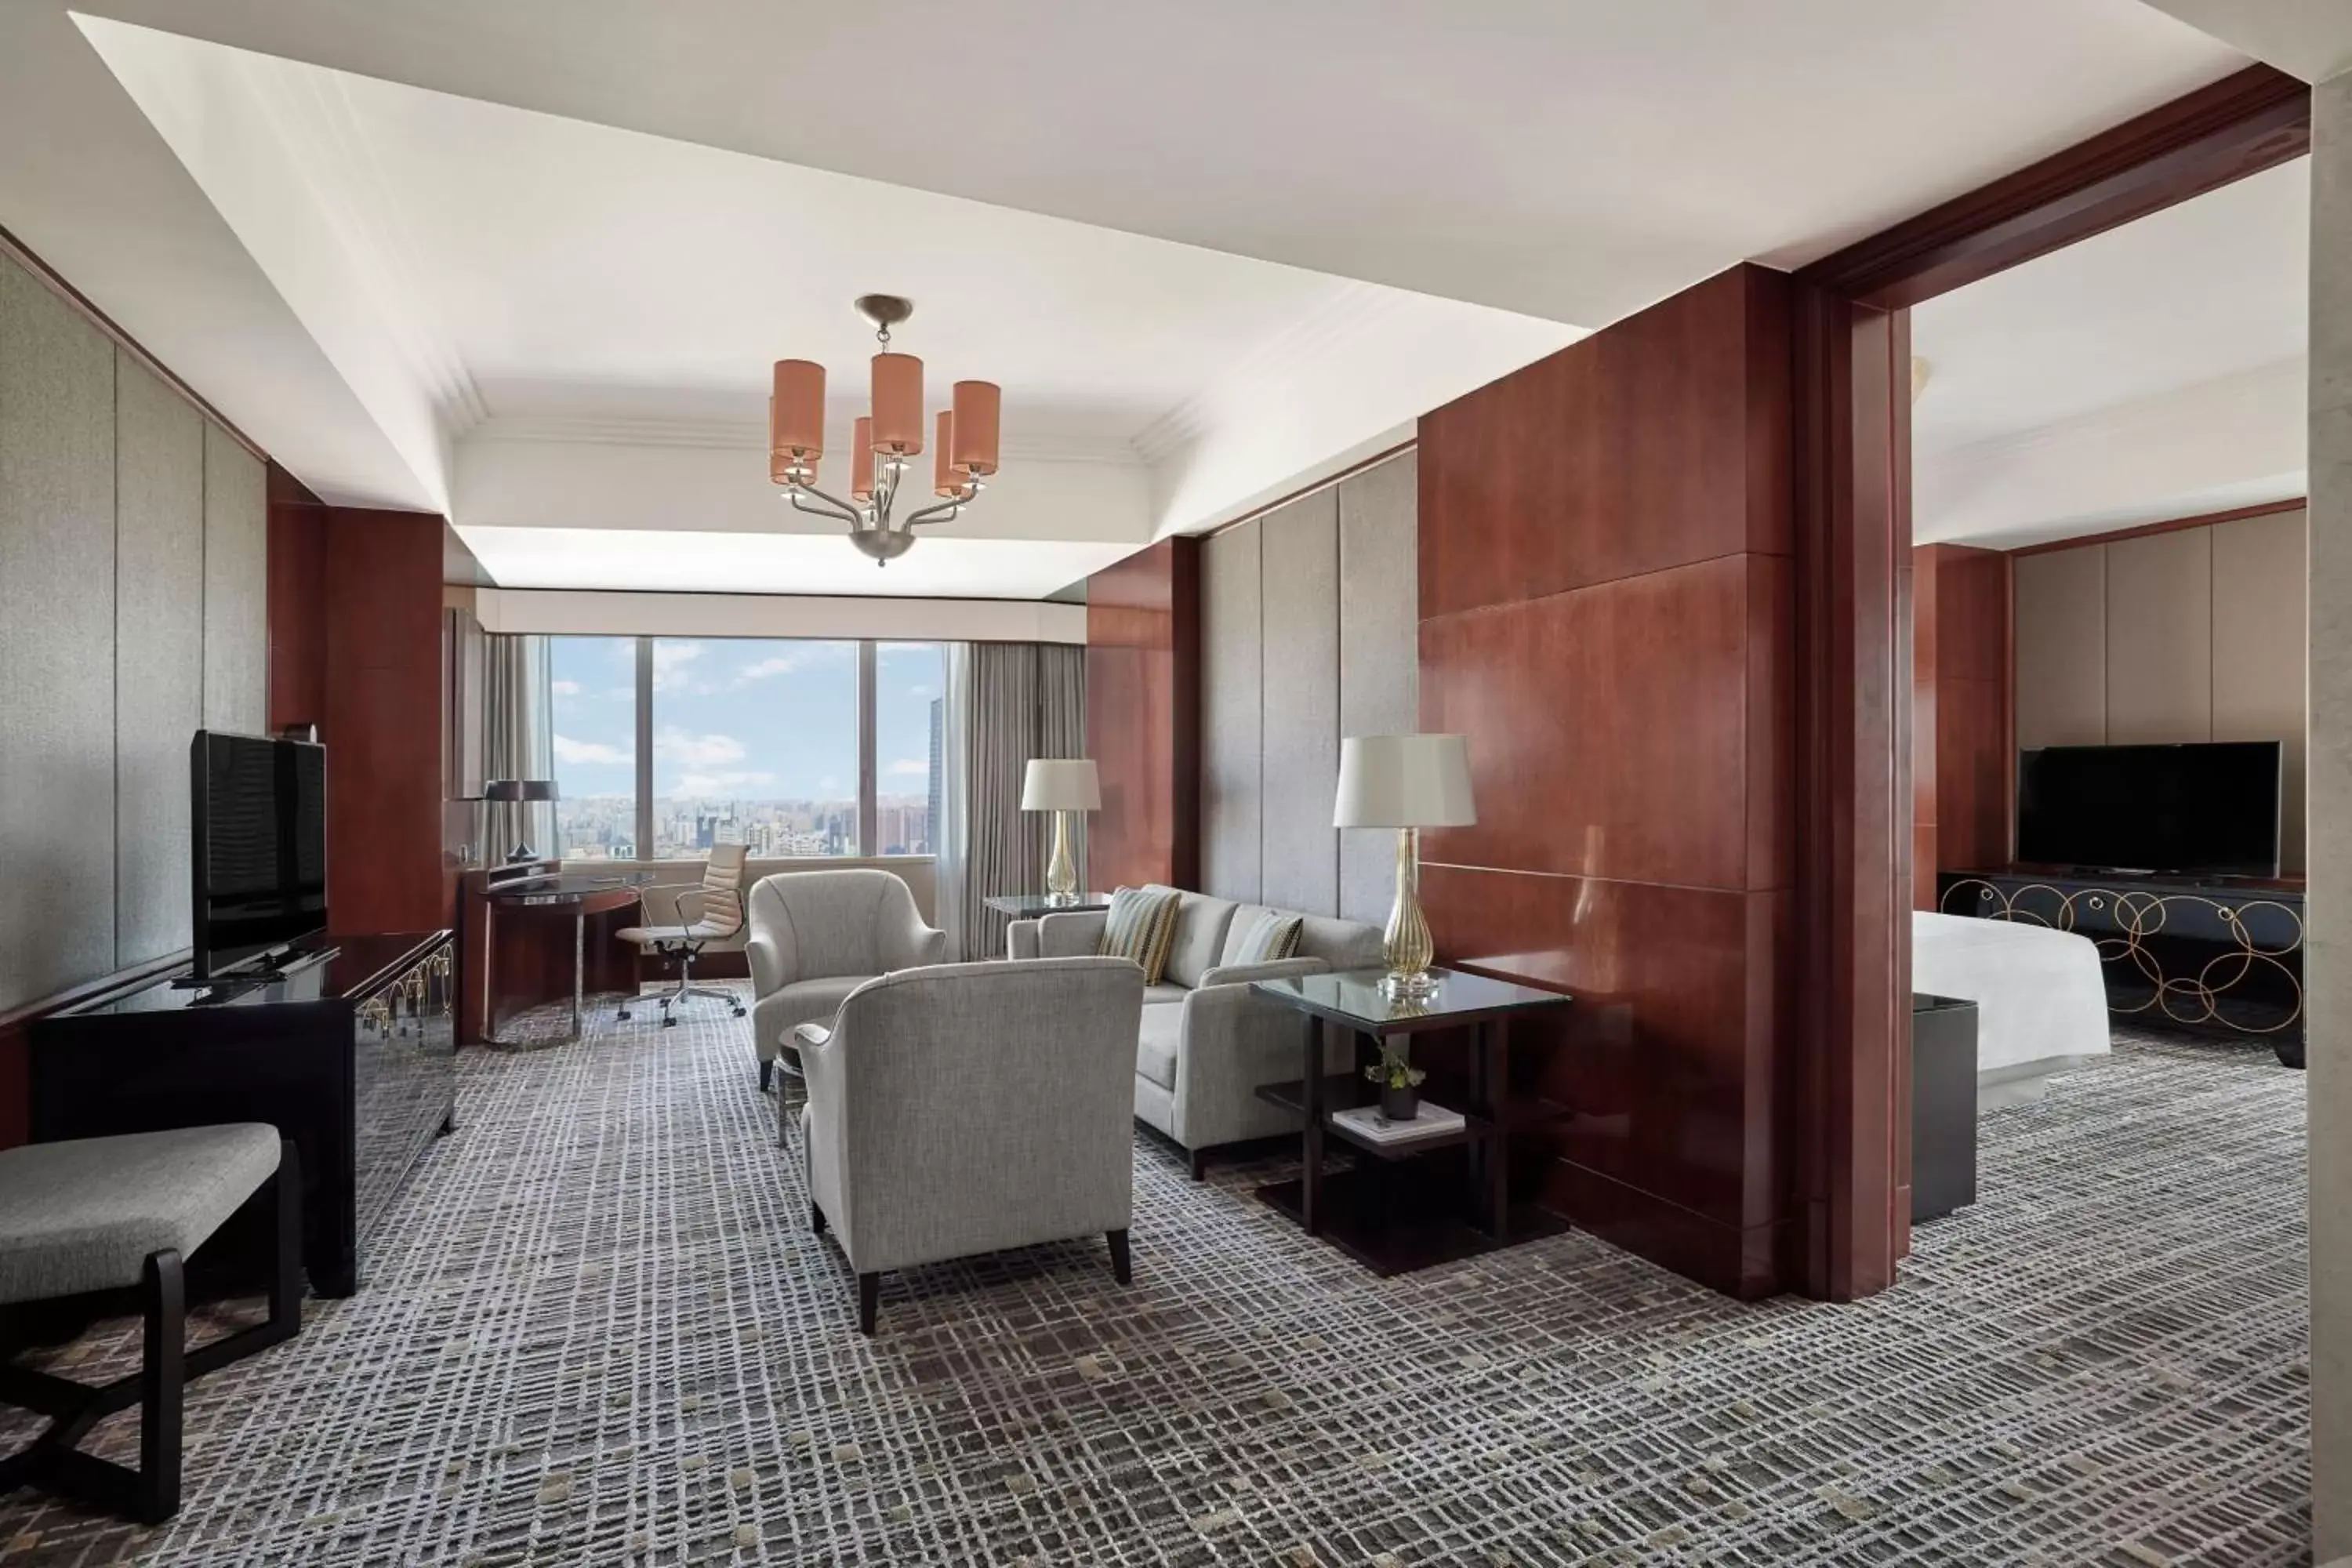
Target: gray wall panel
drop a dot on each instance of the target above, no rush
(159, 656)
(1379, 653)
(2160, 638)
(2062, 648)
(1231, 714)
(237, 586)
(57, 637)
(2260, 602)
(1301, 586)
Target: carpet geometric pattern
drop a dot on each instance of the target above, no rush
(597, 1331)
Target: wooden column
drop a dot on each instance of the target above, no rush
(1143, 716)
(1608, 611)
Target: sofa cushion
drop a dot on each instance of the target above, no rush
(1155, 1045)
(1245, 917)
(1139, 927)
(1200, 941)
(1342, 944)
(1269, 940)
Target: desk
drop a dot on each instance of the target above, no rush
(515, 946)
(1368, 1213)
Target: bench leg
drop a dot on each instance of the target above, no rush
(163, 1385)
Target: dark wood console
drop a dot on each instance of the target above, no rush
(350, 1054)
(2219, 955)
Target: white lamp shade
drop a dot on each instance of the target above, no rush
(1403, 781)
(1065, 784)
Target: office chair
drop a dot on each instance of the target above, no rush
(718, 914)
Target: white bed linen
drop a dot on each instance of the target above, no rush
(2041, 1002)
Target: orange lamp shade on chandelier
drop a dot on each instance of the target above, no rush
(861, 460)
(963, 441)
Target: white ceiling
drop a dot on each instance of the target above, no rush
(2154, 371)
(489, 236)
(2309, 38)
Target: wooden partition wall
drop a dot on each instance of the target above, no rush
(1143, 716)
(1607, 606)
(1962, 727)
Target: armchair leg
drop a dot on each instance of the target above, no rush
(816, 1220)
(767, 1074)
(869, 1302)
(1200, 1164)
(1121, 1269)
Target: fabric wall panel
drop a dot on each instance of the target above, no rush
(158, 656)
(2160, 638)
(1380, 665)
(56, 636)
(237, 586)
(2062, 648)
(2259, 609)
(1299, 581)
(1232, 713)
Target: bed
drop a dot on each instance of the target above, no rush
(2042, 1003)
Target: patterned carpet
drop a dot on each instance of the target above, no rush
(598, 1331)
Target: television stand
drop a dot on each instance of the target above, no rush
(2219, 956)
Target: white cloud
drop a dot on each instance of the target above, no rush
(721, 782)
(590, 753)
(920, 691)
(828, 784)
(671, 659)
(698, 751)
(910, 767)
(564, 687)
(796, 657)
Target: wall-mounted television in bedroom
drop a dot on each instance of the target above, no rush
(257, 814)
(2203, 809)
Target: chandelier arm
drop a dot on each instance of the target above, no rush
(839, 512)
(946, 509)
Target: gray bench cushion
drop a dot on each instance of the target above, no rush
(84, 1214)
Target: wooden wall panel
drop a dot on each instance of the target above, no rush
(1962, 729)
(158, 672)
(1607, 612)
(1588, 466)
(1143, 715)
(1233, 664)
(381, 722)
(297, 602)
(2062, 648)
(2160, 638)
(1299, 848)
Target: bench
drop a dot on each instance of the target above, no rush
(97, 1219)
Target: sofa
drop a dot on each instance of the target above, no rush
(971, 1108)
(816, 936)
(1204, 1043)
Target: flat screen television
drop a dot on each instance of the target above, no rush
(2207, 809)
(258, 819)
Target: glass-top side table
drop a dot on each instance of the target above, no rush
(1035, 906)
(1372, 1212)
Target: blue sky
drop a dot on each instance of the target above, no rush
(741, 719)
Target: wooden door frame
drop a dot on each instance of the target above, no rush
(1850, 1080)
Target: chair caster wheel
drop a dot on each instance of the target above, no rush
(668, 1022)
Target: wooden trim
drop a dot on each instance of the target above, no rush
(18, 251)
(2254, 120)
(1317, 487)
(2204, 520)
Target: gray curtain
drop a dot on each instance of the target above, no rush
(1021, 700)
(517, 742)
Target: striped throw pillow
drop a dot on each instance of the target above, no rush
(1141, 925)
(1270, 938)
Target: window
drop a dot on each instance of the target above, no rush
(795, 747)
(754, 743)
(594, 697)
(909, 692)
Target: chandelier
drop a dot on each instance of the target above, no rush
(963, 444)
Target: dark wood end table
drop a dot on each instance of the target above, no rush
(1390, 1225)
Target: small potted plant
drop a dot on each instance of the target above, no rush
(1399, 1083)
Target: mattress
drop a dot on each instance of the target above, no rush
(2041, 999)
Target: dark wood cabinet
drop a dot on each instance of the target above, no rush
(2219, 955)
(351, 1053)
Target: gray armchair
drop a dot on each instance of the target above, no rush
(816, 936)
(970, 1108)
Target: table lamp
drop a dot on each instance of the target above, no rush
(528, 792)
(1407, 782)
(1061, 785)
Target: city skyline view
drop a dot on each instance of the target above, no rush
(755, 741)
